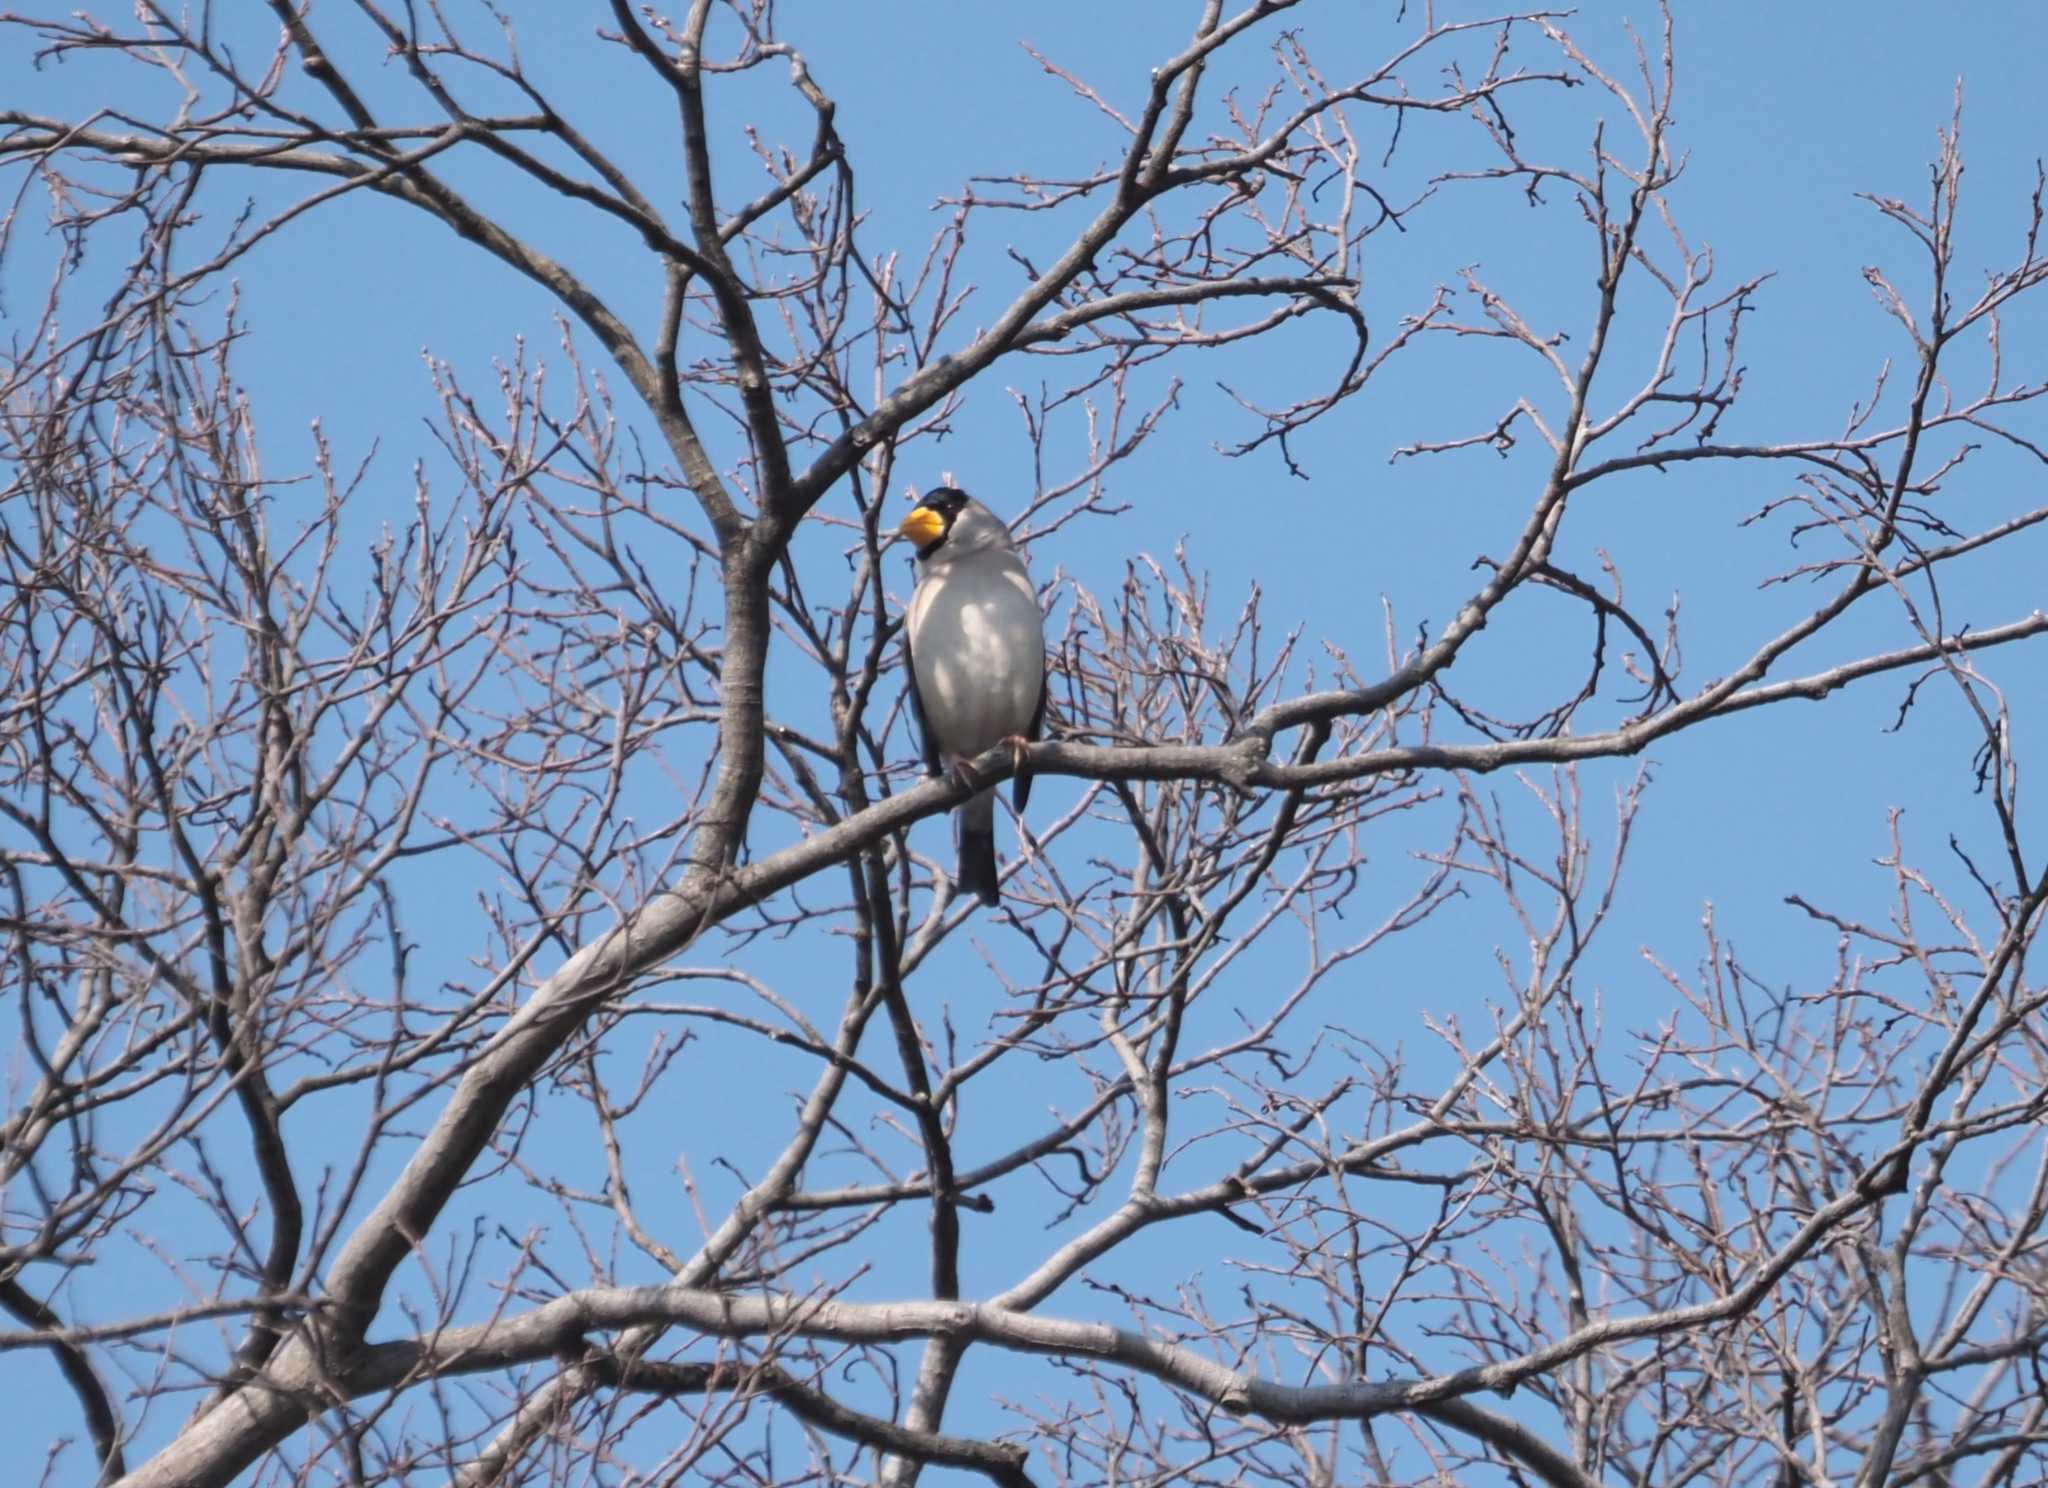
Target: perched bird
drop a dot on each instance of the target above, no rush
(975, 639)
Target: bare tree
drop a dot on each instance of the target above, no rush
(398, 890)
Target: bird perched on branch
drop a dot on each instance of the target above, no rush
(975, 639)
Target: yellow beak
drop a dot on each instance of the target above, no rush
(923, 526)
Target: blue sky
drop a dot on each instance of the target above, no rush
(1784, 113)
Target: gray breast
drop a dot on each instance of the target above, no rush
(977, 641)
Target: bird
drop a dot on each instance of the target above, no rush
(974, 638)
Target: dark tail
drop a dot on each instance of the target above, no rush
(976, 832)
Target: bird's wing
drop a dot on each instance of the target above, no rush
(926, 741)
(1021, 791)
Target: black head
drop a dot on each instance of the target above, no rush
(947, 501)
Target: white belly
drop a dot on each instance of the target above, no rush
(977, 641)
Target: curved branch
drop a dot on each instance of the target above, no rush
(100, 1417)
(999, 1462)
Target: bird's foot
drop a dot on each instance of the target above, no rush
(961, 773)
(1019, 747)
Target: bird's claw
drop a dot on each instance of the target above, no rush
(960, 770)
